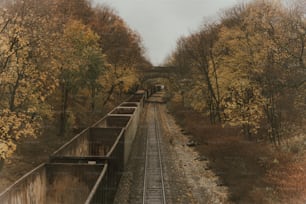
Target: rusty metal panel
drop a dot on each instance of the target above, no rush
(54, 183)
(129, 104)
(78, 145)
(70, 183)
(31, 188)
(96, 142)
(102, 140)
(117, 121)
(130, 124)
(111, 121)
(123, 111)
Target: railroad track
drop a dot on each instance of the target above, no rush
(153, 185)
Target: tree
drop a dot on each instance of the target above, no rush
(261, 48)
(196, 54)
(26, 74)
(52, 59)
(121, 45)
(81, 65)
(249, 70)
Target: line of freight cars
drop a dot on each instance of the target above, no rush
(87, 169)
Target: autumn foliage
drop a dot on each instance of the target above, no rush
(248, 69)
(61, 63)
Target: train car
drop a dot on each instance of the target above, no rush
(59, 183)
(96, 146)
(92, 161)
(128, 123)
(93, 146)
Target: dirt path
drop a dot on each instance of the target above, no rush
(188, 177)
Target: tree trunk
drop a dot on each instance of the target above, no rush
(273, 121)
(13, 94)
(63, 114)
(93, 103)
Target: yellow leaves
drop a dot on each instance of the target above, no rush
(197, 97)
(80, 35)
(243, 106)
(128, 79)
(42, 98)
(6, 148)
(26, 79)
(13, 126)
(122, 78)
(80, 44)
(39, 52)
(32, 109)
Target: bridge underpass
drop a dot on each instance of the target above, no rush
(157, 75)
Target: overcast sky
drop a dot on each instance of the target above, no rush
(162, 22)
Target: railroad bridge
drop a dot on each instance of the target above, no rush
(158, 72)
(157, 75)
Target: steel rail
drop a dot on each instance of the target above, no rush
(145, 170)
(158, 129)
(156, 148)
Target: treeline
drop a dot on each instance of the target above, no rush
(61, 63)
(248, 69)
